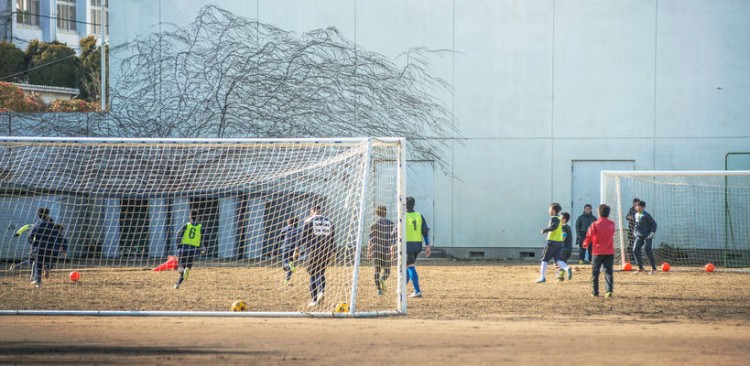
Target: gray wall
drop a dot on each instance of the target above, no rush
(537, 85)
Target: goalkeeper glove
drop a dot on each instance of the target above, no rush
(651, 236)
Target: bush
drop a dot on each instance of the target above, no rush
(57, 64)
(12, 61)
(72, 105)
(89, 72)
(12, 99)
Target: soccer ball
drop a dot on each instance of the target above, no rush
(239, 306)
(75, 276)
(342, 307)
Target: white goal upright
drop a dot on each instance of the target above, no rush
(118, 207)
(702, 216)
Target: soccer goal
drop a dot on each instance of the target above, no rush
(702, 216)
(115, 211)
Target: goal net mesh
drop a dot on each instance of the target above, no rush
(700, 218)
(118, 208)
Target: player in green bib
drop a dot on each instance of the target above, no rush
(554, 247)
(416, 231)
(188, 247)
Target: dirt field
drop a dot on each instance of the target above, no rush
(472, 313)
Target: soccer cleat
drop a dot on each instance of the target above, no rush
(382, 285)
(570, 273)
(594, 295)
(541, 280)
(638, 271)
(653, 271)
(608, 295)
(312, 304)
(416, 295)
(320, 297)
(380, 292)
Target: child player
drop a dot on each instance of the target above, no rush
(188, 247)
(553, 250)
(599, 237)
(567, 243)
(289, 249)
(382, 244)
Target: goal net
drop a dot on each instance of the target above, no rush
(116, 212)
(702, 216)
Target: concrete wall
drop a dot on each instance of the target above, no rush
(538, 84)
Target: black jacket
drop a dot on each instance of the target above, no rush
(582, 226)
(644, 225)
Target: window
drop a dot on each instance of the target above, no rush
(27, 12)
(96, 21)
(66, 15)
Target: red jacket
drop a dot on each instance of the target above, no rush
(600, 233)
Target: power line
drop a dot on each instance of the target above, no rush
(58, 18)
(39, 66)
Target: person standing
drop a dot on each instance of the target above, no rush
(582, 227)
(289, 249)
(416, 231)
(43, 238)
(600, 238)
(631, 228)
(317, 239)
(381, 247)
(645, 229)
(188, 247)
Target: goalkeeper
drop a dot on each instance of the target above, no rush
(317, 237)
(188, 247)
(382, 245)
(644, 231)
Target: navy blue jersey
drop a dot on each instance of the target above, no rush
(383, 235)
(644, 224)
(567, 237)
(43, 236)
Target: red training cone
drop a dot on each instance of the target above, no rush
(171, 263)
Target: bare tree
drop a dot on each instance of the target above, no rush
(227, 76)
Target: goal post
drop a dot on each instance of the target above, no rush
(115, 209)
(702, 216)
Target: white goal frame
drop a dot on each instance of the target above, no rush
(652, 173)
(400, 307)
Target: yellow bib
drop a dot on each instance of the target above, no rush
(192, 235)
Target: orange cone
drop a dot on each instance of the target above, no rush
(171, 263)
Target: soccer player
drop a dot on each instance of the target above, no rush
(382, 245)
(599, 238)
(582, 226)
(644, 231)
(416, 231)
(188, 247)
(553, 250)
(631, 227)
(567, 237)
(42, 237)
(317, 238)
(289, 249)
